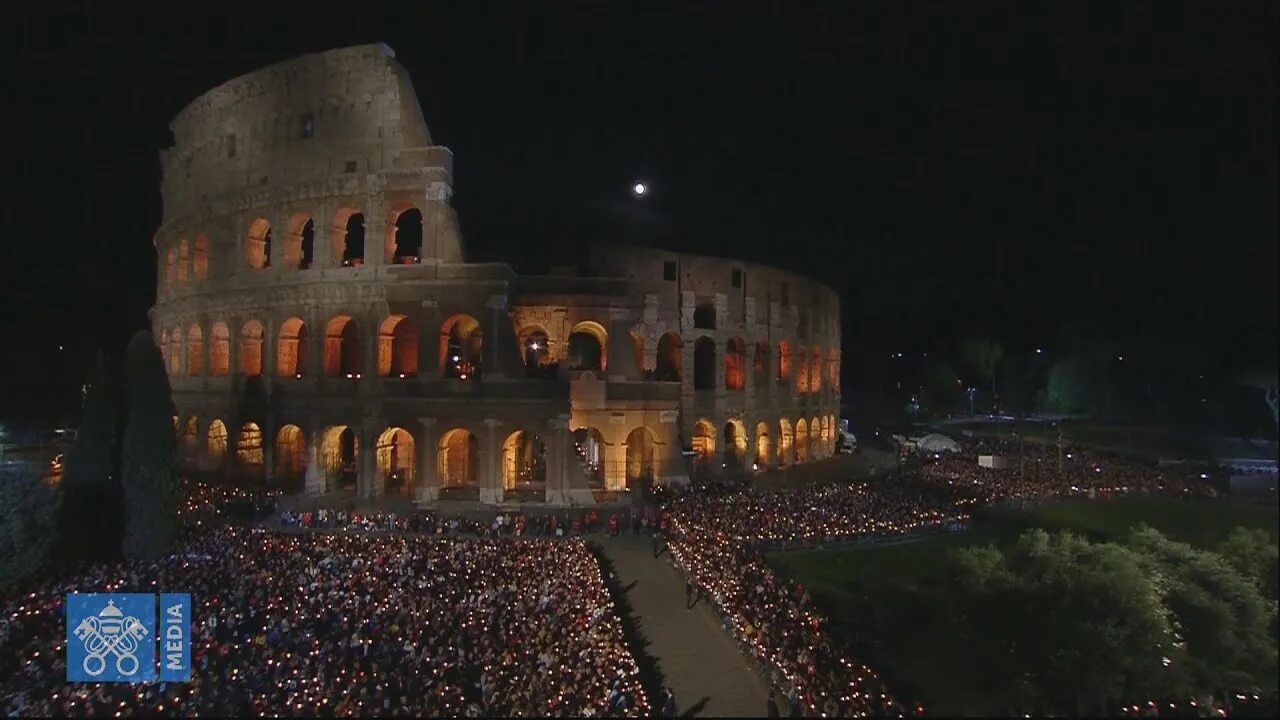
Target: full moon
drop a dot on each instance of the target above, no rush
(640, 189)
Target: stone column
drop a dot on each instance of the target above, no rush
(268, 450)
(427, 488)
(315, 484)
(368, 350)
(322, 237)
(491, 464)
(621, 352)
(496, 335)
(558, 460)
(269, 330)
(367, 476)
(315, 346)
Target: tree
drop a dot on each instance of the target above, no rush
(28, 523)
(150, 486)
(1255, 556)
(91, 514)
(1221, 616)
(984, 356)
(1071, 387)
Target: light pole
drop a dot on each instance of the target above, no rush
(971, 391)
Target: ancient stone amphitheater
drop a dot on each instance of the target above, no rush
(324, 332)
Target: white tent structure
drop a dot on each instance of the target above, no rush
(936, 443)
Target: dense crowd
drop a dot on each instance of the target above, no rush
(351, 624)
(503, 523)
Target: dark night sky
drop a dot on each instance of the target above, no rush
(951, 168)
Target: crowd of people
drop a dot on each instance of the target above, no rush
(351, 624)
(503, 523)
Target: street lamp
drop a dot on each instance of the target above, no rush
(971, 392)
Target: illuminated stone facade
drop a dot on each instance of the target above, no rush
(314, 303)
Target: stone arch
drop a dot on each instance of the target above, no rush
(762, 445)
(640, 457)
(257, 244)
(826, 435)
(535, 348)
(200, 257)
(195, 351)
(292, 349)
(802, 371)
(342, 348)
(395, 460)
(703, 446)
(760, 365)
(170, 268)
(175, 351)
(704, 364)
(524, 462)
(299, 247)
(816, 367)
(404, 241)
(735, 444)
(397, 347)
(802, 441)
(461, 347)
(184, 261)
(189, 437)
(220, 350)
(216, 443)
(250, 459)
(786, 443)
(833, 369)
(588, 346)
(459, 459)
(815, 438)
(252, 338)
(588, 445)
(291, 454)
(670, 358)
(348, 237)
(784, 361)
(339, 454)
(735, 364)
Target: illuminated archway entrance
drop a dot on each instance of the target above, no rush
(524, 463)
(704, 447)
(588, 445)
(459, 459)
(802, 441)
(786, 441)
(339, 451)
(640, 467)
(735, 445)
(216, 444)
(762, 446)
(396, 461)
(250, 460)
(291, 456)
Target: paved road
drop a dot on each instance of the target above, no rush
(699, 660)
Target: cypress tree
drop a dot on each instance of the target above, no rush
(91, 509)
(147, 451)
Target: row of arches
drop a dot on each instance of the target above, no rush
(346, 248)
(523, 465)
(789, 443)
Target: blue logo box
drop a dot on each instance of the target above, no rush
(111, 637)
(174, 633)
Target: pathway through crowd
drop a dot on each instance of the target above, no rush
(699, 660)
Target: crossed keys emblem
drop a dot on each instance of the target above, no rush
(110, 632)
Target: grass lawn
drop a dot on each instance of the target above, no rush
(886, 599)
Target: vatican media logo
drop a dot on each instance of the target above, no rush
(112, 637)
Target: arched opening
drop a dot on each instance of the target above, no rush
(175, 351)
(459, 459)
(833, 370)
(536, 348)
(637, 348)
(342, 348)
(257, 246)
(826, 435)
(190, 437)
(588, 445)
(784, 362)
(760, 365)
(670, 358)
(195, 351)
(170, 268)
(640, 451)
(406, 237)
(395, 461)
(184, 260)
(802, 441)
(815, 438)
(735, 445)
(704, 364)
(339, 452)
(251, 339)
(397, 347)
(816, 367)
(250, 460)
(216, 443)
(220, 350)
(461, 347)
(291, 455)
(762, 446)
(348, 238)
(735, 364)
(802, 371)
(291, 349)
(587, 343)
(524, 463)
(786, 443)
(703, 447)
(200, 259)
(301, 234)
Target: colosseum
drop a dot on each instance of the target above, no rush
(324, 332)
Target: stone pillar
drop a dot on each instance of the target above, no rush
(315, 346)
(498, 338)
(427, 488)
(367, 475)
(368, 328)
(622, 354)
(556, 444)
(268, 450)
(429, 340)
(269, 332)
(322, 237)
(279, 239)
(491, 464)
(315, 484)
